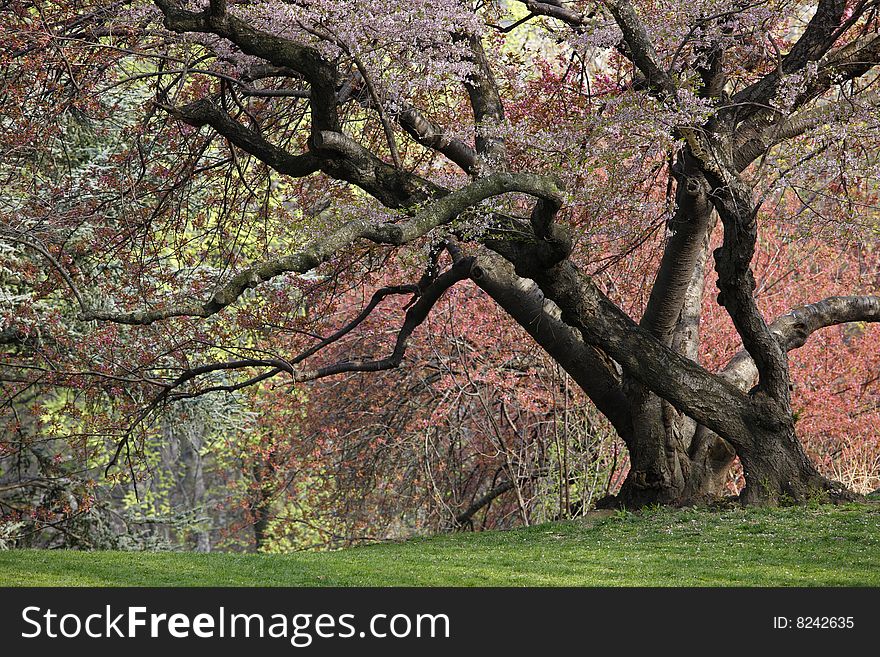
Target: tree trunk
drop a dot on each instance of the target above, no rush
(778, 471)
(659, 465)
(262, 508)
(261, 526)
(664, 471)
(681, 449)
(669, 464)
(672, 459)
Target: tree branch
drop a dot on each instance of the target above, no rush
(558, 11)
(439, 212)
(465, 516)
(736, 284)
(523, 300)
(205, 112)
(687, 386)
(794, 328)
(486, 104)
(319, 73)
(684, 246)
(418, 126)
(641, 50)
(429, 134)
(752, 107)
(416, 314)
(334, 154)
(751, 143)
(818, 36)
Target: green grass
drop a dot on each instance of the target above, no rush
(797, 546)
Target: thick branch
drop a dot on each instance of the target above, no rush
(345, 159)
(818, 36)
(393, 187)
(523, 300)
(319, 73)
(429, 134)
(686, 385)
(486, 104)
(839, 65)
(558, 11)
(736, 283)
(640, 48)
(335, 154)
(687, 228)
(794, 328)
(686, 337)
(422, 129)
(751, 143)
(204, 112)
(439, 212)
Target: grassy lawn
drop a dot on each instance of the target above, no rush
(820, 546)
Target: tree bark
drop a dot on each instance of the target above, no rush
(780, 472)
(663, 467)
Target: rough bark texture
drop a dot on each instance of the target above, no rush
(662, 470)
(778, 471)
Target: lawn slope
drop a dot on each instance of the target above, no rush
(820, 546)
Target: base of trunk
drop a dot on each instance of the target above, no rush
(781, 473)
(694, 478)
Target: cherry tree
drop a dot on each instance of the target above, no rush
(247, 164)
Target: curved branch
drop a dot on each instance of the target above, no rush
(429, 134)
(335, 154)
(318, 251)
(322, 76)
(205, 112)
(318, 72)
(345, 159)
(285, 365)
(422, 129)
(794, 328)
(415, 316)
(16, 236)
(558, 11)
(523, 300)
